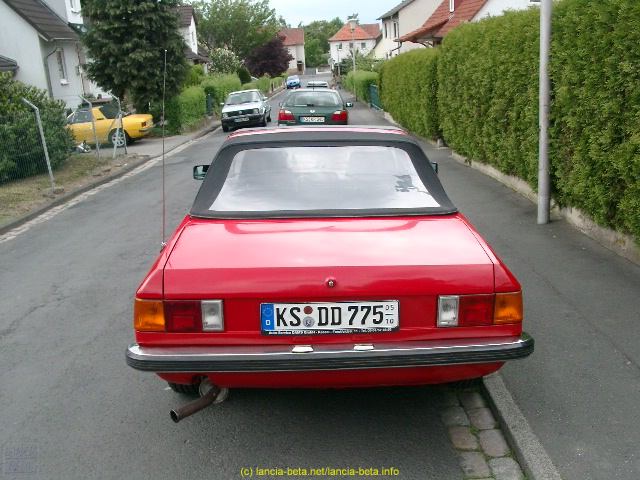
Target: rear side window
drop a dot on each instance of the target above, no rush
(314, 179)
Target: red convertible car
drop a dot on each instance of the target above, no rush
(324, 257)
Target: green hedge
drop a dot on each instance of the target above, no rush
(265, 84)
(21, 152)
(409, 88)
(219, 86)
(183, 111)
(487, 98)
(359, 81)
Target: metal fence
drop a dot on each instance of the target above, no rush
(35, 142)
(374, 95)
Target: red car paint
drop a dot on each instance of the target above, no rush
(246, 262)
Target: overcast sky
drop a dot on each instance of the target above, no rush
(306, 11)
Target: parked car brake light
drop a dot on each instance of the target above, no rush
(285, 116)
(508, 308)
(183, 316)
(339, 116)
(148, 315)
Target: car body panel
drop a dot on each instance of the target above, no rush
(303, 114)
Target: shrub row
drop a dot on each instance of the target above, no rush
(219, 86)
(409, 91)
(483, 100)
(265, 84)
(359, 81)
(21, 152)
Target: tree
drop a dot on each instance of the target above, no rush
(316, 43)
(126, 42)
(272, 59)
(223, 60)
(239, 25)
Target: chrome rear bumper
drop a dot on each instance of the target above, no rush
(281, 358)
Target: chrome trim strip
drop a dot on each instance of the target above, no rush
(280, 358)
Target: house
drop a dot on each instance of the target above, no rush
(42, 50)
(362, 40)
(451, 13)
(293, 40)
(188, 29)
(405, 17)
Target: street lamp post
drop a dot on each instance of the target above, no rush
(353, 21)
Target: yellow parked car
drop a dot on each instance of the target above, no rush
(135, 126)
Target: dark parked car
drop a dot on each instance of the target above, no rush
(245, 108)
(314, 106)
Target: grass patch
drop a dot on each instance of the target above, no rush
(20, 197)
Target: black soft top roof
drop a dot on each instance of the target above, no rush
(326, 136)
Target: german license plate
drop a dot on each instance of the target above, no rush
(323, 318)
(241, 119)
(312, 119)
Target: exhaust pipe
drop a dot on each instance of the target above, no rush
(190, 408)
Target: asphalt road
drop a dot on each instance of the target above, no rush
(72, 409)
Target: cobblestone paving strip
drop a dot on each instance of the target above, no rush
(475, 435)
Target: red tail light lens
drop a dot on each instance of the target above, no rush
(182, 316)
(476, 310)
(339, 116)
(285, 116)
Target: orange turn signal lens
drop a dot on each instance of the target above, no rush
(148, 315)
(508, 308)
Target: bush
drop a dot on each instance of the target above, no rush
(219, 86)
(183, 111)
(21, 152)
(359, 81)
(195, 75)
(409, 89)
(244, 75)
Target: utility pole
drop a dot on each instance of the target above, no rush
(544, 187)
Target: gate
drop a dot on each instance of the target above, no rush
(374, 96)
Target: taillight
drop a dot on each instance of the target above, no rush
(479, 310)
(183, 316)
(339, 116)
(178, 316)
(285, 116)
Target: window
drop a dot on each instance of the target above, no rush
(395, 29)
(385, 30)
(351, 45)
(62, 71)
(315, 98)
(340, 46)
(81, 116)
(308, 179)
(363, 45)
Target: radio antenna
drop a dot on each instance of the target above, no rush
(164, 211)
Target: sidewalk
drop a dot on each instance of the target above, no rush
(581, 387)
(138, 153)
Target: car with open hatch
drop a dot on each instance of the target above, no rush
(313, 106)
(323, 257)
(245, 108)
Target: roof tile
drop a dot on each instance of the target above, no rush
(363, 31)
(43, 19)
(292, 36)
(442, 21)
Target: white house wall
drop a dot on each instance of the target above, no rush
(70, 90)
(413, 17)
(495, 8)
(339, 55)
(385, 47)
(68, 10)
(190, 36)
(19, 41)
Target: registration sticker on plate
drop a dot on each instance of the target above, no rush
(312, 119)
(322, 318)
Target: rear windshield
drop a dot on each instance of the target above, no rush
(309, 181)
(313, 99)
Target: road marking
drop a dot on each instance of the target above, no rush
(49, 214)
